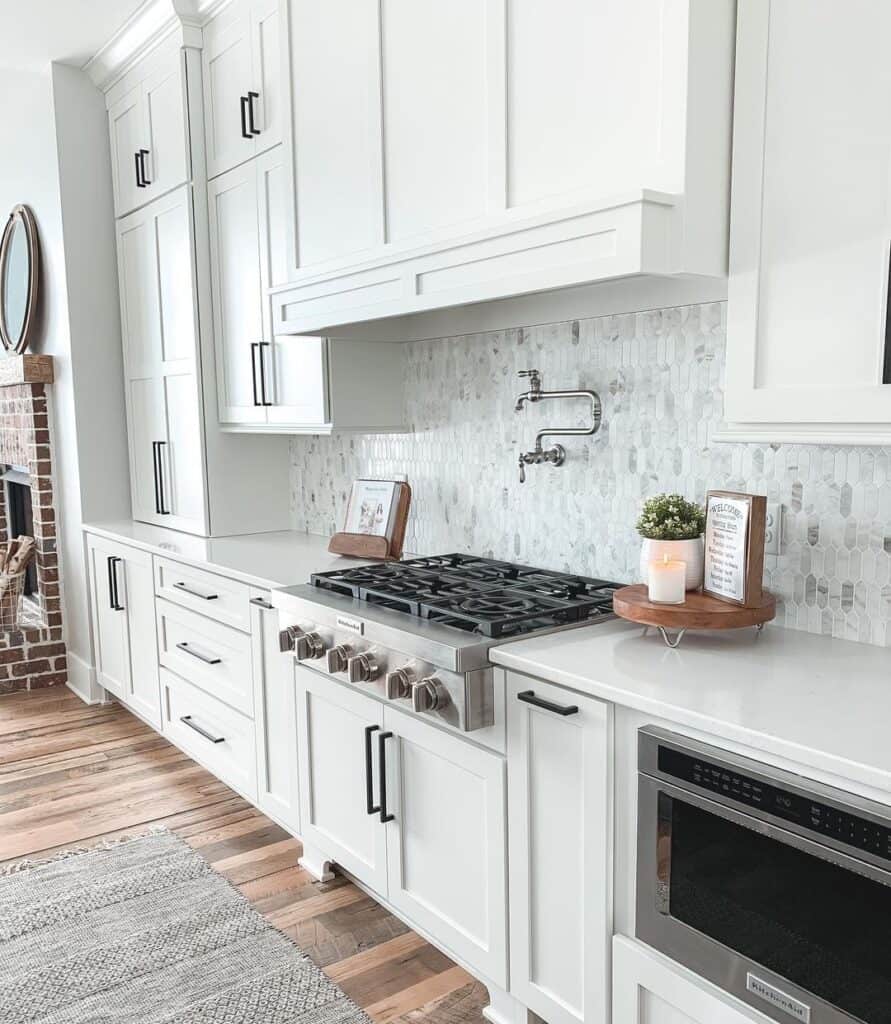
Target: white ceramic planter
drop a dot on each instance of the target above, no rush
(689, 551)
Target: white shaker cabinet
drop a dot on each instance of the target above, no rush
(147, 119)
(650, 989)
(242, 79)
(808, 351)
(451, 153)
(123, 616)
(559, 754)
(158, 313)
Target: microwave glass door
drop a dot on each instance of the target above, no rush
(824, 927)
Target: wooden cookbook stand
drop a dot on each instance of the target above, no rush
(364, 545)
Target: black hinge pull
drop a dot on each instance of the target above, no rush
(251, 96)
(139, 182)
(245, 102)
(382, 766)
(143, 153)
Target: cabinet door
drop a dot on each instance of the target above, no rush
(650, 989)
(110, 636)
(164, 102)
(811, 222)
(137, 594)
(267, 21)
(332, 743)
(237, 293)
(228, 78)
(560, 821)
(446, 845)
(275, 715)
(126, 132)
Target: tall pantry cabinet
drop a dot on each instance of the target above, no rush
(185, 472)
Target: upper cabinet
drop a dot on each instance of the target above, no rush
(446, 153)
(147, 119)
(808, 352)
(242, 75)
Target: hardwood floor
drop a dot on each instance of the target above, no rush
(71, 775)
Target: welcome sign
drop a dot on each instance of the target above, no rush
(734, 546)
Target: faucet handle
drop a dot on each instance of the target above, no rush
(534, 374)
(522, 470)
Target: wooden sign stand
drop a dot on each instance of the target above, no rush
(368, 546)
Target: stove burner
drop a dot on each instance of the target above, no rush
(481, 595)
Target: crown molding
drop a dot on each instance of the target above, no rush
(151, 23)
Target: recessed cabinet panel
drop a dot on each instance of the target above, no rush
(335, 50)
(436, 110)
(267, 73)
(173, 251)
(138, 282)
(109, 622)
(183, 458)
(300, 379)
(166, 163)
(126, 126)
(146, 427)
(227, 79)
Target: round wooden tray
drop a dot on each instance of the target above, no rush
(699, 611)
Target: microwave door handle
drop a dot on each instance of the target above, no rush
(663, 853)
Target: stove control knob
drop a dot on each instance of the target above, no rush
(287, 638)
(429, 695)
(363, 668)
(309, 647)
(399, 683)
(338, 657)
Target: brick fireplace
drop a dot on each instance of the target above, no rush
(33, 655)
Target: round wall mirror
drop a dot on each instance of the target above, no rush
(19, 274)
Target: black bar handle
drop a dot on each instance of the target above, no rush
(194, 593)
(260, 346)
(139, 182)
(143, 153)
(254, 349)
(244, 101)
(528, 697)
(162, 510)
(382, 765)
(187, 720)
(369, 787)
(886, 366)
(208, 659)
(155, 463)
(261, 602)
(251, 96)
(113, 570)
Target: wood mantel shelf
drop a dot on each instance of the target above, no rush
(26, 369)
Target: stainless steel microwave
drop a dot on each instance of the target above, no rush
(772, 886)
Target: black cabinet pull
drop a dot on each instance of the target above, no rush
(261, 602)
(143, 153)
(195, 593)
(369, 788)
(155, 474)
(244, 101)
(253, 129)
(528, 697)
(886, 367)
(139, 182)
(159, 478)
(263, 398)
(382, 758)
(187, 720)
(114, 601)
(254, 349)
(208, 659)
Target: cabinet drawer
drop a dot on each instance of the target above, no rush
(214, 657)
(218, 737)
(205, 592)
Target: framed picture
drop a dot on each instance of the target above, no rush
(734, 546)
(375, 521)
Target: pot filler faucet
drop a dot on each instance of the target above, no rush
(555, 455)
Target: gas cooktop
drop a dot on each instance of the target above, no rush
(477, 595)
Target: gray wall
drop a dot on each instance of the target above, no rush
(659, 375)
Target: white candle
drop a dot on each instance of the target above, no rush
(667, 581)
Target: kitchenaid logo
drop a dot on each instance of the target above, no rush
(353, 625)
(776, 997)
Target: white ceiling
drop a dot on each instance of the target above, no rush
(35, 32)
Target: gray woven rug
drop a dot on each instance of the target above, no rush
(146, 932)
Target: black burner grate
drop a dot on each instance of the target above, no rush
(479, 595)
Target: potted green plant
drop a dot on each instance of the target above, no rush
(672, 526)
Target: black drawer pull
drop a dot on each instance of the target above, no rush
(382, 756)
(261, 602)
(528, 697)
(370, 806)
(251, 96)
(195, 593)
(187, 720)
(243, 100)
(260, 346)
(114, 599)
(139, 182)
(207, 659)
(143, 153)
(255, 346)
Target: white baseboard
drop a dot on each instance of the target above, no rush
(82, 680)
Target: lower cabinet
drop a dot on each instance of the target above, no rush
(649, 989)
(122, 596)
(275, 717)
(414, 812)
(559, 756)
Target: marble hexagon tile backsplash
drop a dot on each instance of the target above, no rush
(659, 375)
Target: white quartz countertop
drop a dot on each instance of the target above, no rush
(260, 559)
(820, 702)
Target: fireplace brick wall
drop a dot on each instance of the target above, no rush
(33, 655)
